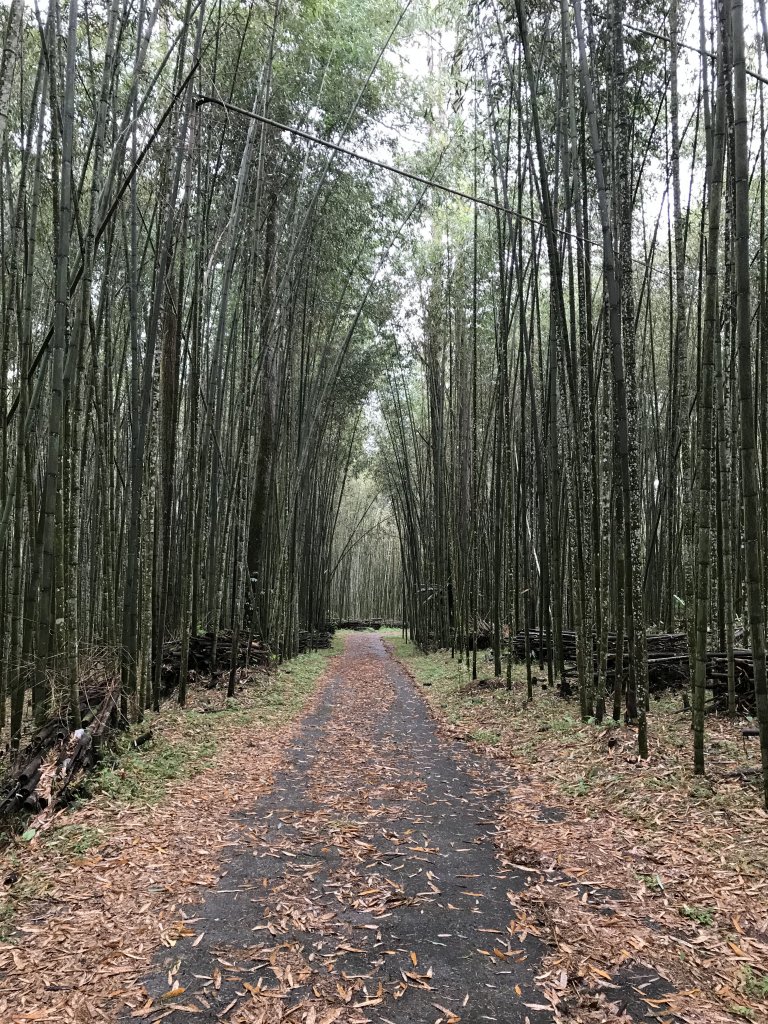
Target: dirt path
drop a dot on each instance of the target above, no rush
(365, 885)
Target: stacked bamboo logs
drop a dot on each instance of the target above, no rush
(658, 644)
(359, 624)
(668, 664)
(314, 641)
(55, 758)
(717, 674)
(209, 655)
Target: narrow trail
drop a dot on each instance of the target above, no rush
(365, 885)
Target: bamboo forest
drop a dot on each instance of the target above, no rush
(384, 511)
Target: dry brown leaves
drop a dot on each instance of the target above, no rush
(348, 773)
(341, 785)
(90, 934)
(87, 935)
(638, 863)
(263, 1000)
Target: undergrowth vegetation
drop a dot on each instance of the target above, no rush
(185, 742)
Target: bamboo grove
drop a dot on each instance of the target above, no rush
(250, 382)
(180, 289)
(576, 435)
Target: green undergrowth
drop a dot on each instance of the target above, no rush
(74, 840)
(185, 741)
(489, 714)
(20, 887)
(448, 686)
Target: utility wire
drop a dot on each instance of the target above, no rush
(693, 49)
(382, 165)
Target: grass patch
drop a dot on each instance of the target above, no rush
(701, 915)
(486, 736)
(754, 984)
(485, 712)
(581, 787)
(562, 725)
(441, 676)
(186, 741)
(652, 882)
(142, 775)
(26, 886)
(75, 840)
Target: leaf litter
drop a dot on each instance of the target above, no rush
(347, 842)
(641, 872)
(87, 927)
(609, 877)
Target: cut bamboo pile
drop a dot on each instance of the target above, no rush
(43, 775)
(55, 759)
(717, 673)
(201, 657)
(668, 664)
(319, 640)
(658, 644)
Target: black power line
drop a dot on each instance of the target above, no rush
(479, 200)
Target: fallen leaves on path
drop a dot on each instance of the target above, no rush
(89, 926)
(328, 871)
(361, 828)
(635, 866)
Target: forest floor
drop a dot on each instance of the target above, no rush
(331, 851)
(88, 900)
(638, 863)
